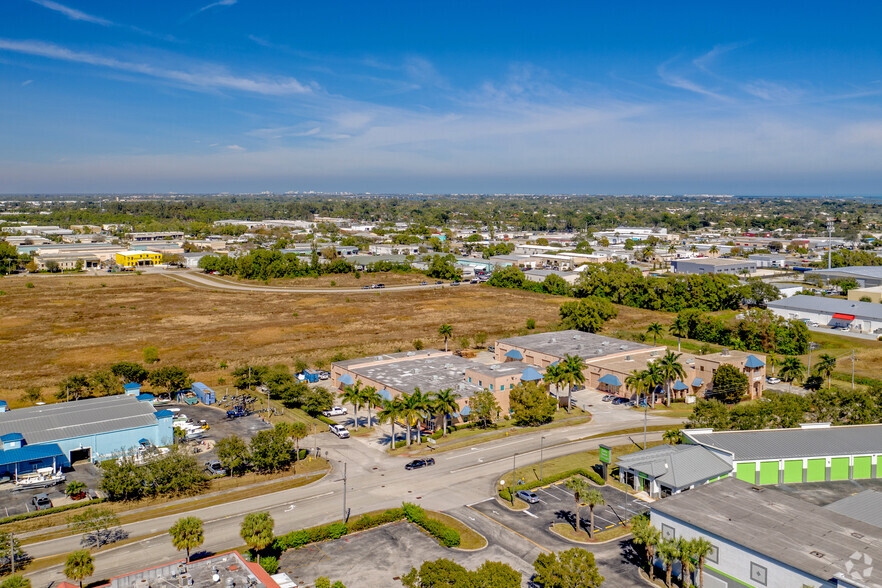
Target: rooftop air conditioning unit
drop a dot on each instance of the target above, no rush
(604, 343)
(623, 347)
(629, 358)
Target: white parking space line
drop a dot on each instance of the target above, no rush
(597, 517)
(527, 512)
(543, 490)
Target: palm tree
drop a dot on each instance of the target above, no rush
(647, 536)
(391, 412)
(693, 249)
(672, 249)
(594, 498)
(772, 360)
(573, 366)
(370, 398)
(298, 431)
(445, 331)
(445, 403)
(257, 531)
(825, 368)
(713, 250)
(579, 487)
(791, 369)
(187, 534)
(668, 553)
(79, 565)
(701, 548)
(553, 376)
(413, 409)
(671, 369)
(684, 546)
(352, 395)
(672, 437)
(655, 377)
(654, 329)
(679, 328)
(636, 381)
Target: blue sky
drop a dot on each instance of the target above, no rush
(419, 96)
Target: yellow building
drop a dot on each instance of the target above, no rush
(138, 258)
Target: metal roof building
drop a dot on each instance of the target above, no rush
(835, 312)
(669, 469)
(864, 506)
(87, 429)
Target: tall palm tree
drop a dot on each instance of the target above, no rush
(257, 531)
(672, 249)
(445, 331)
(79, 565)
(352, 395)
(444, 403)
(772, 360)
(791, 369)
(713, 250)
(825, 368)
(701, 548)
(654, 329)
(593, 498)
(636, 382)
(671, 369)
(655, 377)
(684, 546)
(413, 409)
(553, 376)
(370, 398)
(679, 328)
(668, 553)
(579, 487)
(647, 536)
(573, 367)
(391, 412)
(672, 437)
(187, 534)
(693, 249)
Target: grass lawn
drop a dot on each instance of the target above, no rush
(566, 531)
(469, 539)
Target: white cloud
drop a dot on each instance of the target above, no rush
(27, 82)
(73, 13)
(235, 148)
(218, 3)
(213, 77)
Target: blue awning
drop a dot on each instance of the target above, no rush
(611, 380)
(514, 354)
(530, 375)
(697, 382)
(146, 397)
(144, 441)
(346, 380)
(753, 362)
(385, 394)
(132, 386)
(30, 453)
(11, 437)
(678, 385)
(163, 414)
(466, 411)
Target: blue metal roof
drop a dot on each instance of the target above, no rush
(697, 382)
(199, 386)
(466, 411)
(146, 397)
(3, 403)
(385, 394)
(346, 380)
(530, 375)
(678, 385)
(30, 453)
(515, 354)
(753, 362)
(131, 386)
(12, 437)
(610, 379)
(161, 414)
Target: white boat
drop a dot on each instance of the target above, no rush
(42, 478)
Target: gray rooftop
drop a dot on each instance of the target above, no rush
(585, 345)
(508, 368)
(429, 374)
(677, 466)
(857, 271)
(793, 443)
(804, 303)
(228, 566)
(864, 506)
(780, 527)
(349, 363)
(66, 420)
(714, 261)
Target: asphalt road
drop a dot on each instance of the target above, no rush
(374, 480)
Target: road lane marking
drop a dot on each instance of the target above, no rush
(475, 450)
(545, 549)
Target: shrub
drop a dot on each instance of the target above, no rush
(29, 285)
(270, 564)
(531, 323)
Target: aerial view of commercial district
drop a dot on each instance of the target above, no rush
(387, 390)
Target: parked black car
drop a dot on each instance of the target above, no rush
(419, 463)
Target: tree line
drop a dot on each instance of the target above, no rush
(111, 381)
(758, 330)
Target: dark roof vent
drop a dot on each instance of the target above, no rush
(817, 553)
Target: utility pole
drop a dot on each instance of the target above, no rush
(830, 244)
(852, 369)
(513, 460)
(344, 492)
(645, 409)
(12, 551)
(541, 439)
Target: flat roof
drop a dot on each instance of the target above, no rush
(509, 368)
(572, 342)
(864, 506)
(428, 373)
(801, 302)
(857, 271)
(792, 443)
(66, 420)
(780, 527)
(715, 261)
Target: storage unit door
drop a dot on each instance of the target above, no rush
(863, 467)
(768, 472)
(839, 468)
(747, 472)
(793, 471)
(817, 470)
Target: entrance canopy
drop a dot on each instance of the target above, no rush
(844, 317)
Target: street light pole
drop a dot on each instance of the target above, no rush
(645, 409)
(513, 461)
(344, 491)
(541, 439)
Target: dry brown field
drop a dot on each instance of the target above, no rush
(76, 324)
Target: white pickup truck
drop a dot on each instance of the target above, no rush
(339, 430)
(335, 411)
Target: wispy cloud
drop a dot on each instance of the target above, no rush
(235, 148)
(73, 13)
(27, 82)
(218, 3)
(209, 78)
(678, 80)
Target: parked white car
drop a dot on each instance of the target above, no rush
(335, 411)
(339, 430)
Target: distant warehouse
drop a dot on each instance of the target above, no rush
(67, 432)
(708, 265)
(138, 258)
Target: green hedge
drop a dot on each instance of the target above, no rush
(325, 419)
(414, 514)
(505, 493)
(48, 511)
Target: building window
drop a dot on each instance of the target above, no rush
(502, 388)
(491, 386)
(668, 532)
(758, 573)
(470, 380)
